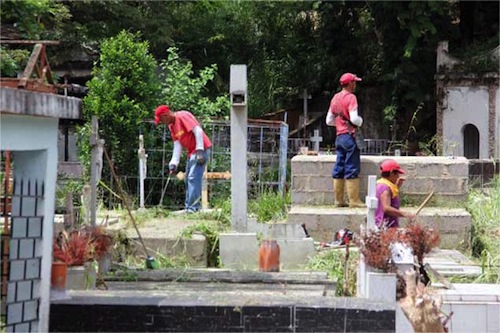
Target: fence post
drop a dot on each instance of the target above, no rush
(283, 156)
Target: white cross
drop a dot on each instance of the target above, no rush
(316, 139)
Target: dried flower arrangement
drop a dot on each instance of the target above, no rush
(375, 245)
(421, 239)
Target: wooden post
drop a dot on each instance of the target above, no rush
(95, 167)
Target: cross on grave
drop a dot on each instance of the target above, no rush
(305, 96)
(316, 139)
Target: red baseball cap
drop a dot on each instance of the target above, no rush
(390, 166)
(161, 110)
(347, 78)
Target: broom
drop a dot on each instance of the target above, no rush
(151, 263)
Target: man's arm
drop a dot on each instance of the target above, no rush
(198, 136)
(355, 118)
(176, 155)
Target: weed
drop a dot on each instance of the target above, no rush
(332, 262)
(211, 230)
(484, 207)
(270, 206)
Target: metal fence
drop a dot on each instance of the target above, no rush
(267, 145)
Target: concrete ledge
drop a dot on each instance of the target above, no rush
(241, 251)
(207, 311)
(193, 249)
(454, 224)
(224, 275)
(23, 102)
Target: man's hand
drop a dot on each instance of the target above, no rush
(172, 167)
(200, 157)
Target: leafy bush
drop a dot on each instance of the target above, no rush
(270, 206)
(182, 90)
(122, 93)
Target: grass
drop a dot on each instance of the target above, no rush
(270, 206)
(332, 262)
(484, 207)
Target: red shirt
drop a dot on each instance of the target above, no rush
(182, 131)
(342, 103)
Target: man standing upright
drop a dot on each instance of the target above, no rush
(343, 114)
(188, 134)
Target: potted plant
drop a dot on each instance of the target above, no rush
(78, 249)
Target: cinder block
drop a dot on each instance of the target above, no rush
(276, 230)
(322, 222)
(468, 317)
(493, 315)
(19, 227)
(30, 310)
(447, 177)
(193, 249)
(239, 250)
(295, 253)
(381, 287)
(26, 249)
(32, 268)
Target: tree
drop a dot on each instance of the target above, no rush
(122, 93)
(182, 90)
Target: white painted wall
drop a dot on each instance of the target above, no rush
(465, 105)
(33, 141)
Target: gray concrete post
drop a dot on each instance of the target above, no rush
(94, 139)
(239, 102)
(283, 155)
(143, 159)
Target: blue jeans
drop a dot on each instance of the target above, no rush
(348, 164)
(193, 180)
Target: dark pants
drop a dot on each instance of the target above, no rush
(348, 164)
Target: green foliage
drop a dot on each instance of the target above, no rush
(270, 206)
(31, 20)
(484, 206)
(122, 93)
(479, 58)
(431, 147)
(13, 61)
(181, 89)
(211, 230)
(35, 19)
(332, 262)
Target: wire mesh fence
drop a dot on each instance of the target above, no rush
(266, 163)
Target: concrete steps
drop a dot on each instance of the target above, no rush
(322, 222)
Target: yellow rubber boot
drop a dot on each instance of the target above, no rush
(338, 188)
(353, 193)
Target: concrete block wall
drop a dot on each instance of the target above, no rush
(323, 222)
(447, 177)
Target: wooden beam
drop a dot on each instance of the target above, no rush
(29, 42)
(32, 62)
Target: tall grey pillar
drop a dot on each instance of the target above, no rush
(239, 102)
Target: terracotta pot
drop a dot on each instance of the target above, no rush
(269, 256)
(58, 275)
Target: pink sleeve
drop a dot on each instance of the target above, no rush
(188, 121)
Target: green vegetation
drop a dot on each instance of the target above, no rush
(270, 206)
(122, 93)
(332, 261)
(484, 206)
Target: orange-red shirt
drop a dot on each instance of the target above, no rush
(342, 103)
(182, 131)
